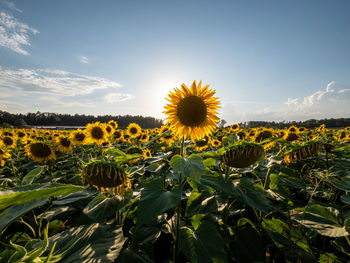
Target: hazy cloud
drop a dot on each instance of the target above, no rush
(10, 5)
(52, 81)
(14, 34)
(84, 60)
(117, 97)
(332, 102)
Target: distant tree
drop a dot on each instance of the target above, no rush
(222, 123)
(19, 123)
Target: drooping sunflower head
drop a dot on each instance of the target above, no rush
(63, 144)
(307, 150)
(96, 132)
(192, 112)
(40, 151)
(263, 134)
(291, 137)
(133, 130)
(78, 137)
(106, 175)
(243, 155)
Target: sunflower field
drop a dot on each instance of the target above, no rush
(185, 192)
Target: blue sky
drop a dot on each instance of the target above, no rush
(267, 60)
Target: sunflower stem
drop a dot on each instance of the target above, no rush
(178, 212)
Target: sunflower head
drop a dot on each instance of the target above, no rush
(96, 133)
(242, 134)
(202, 144)
(113, 123)
(9, 141)
(291, 137)
(234, 127)
(40, 152)
(293, 129)
(243, 155)
(144, 137)
(106, 175)
(63, 144)
(307, 150)
(192, 112)
(147, 153)
(78, 137)
(215, 143)
(133, 130)
(263, 134)
(118, 135)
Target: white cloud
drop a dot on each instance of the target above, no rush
(84, 60)
(52, 81)
(117, 97)
(333, 102)
(10, 5)
(14, 34)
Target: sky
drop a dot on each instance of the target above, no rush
(267, 60)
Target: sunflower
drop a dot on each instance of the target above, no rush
(264, 134)
(78, 137)
(40, 152)
(118, 135)
(192, 112)
(215, 143)
(342, 136)
(306, 151)
(63, 144)
(144, 137)
(243, 155)
(242, 134)
(133, 130)
(147, 153)
(106, 175)
(109, 129)
(203, 144)
(113, 123)
(9, 141)
(291, 136)
(3, 155)
(293, 129)
(234, 127)
(96, 132)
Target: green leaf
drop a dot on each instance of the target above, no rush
(98, 243)
(202, 245)
(343, 185)
(322, 219)
(11, 213)
(20, 195)
(155, 200)
(329, 258)
(102, 208)
(289, 239)
(127, 157)
(29, 177)
(245, 234)
(201, 203)
(74, 197)
(345, 198)
(209, 162)
(192, 166)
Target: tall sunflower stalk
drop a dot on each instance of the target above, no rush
(192, 113)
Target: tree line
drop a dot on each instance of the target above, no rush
(56, 119)
(312, 123)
